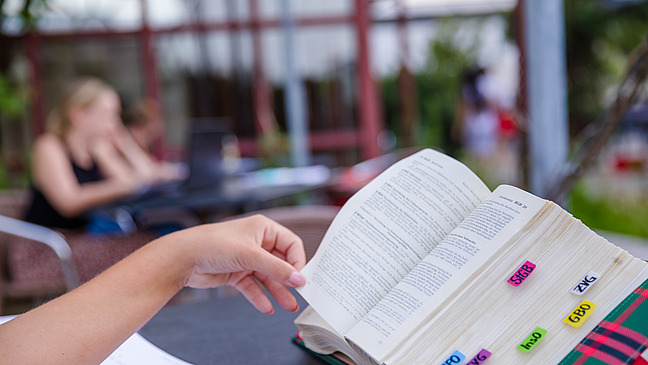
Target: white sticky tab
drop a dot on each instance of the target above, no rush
(586, 283)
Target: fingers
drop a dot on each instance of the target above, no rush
(281, 293)
(253, 251)
(254, 293)
(283, 243)
(266, 263)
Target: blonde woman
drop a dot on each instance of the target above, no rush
(79, 163)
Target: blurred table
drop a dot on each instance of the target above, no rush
(232, 195)
(227, 331)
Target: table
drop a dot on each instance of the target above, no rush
(227, 331)
(235, 194)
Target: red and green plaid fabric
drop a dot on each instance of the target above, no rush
(642, 360)
(620, 338)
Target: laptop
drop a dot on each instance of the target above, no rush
(204, 163)
(205, 156)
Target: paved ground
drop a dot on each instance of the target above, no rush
(634, 245)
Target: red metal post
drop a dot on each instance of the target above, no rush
(406, 83)
(369, 110)
(151, 81)
(36, 90)
(261, 90)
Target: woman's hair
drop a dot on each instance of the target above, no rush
(80, 93)
(141, 114)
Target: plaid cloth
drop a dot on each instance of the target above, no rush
(620, 338)
(642, 360)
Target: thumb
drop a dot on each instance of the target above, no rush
(271, 265)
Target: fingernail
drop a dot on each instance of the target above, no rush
(297, 279)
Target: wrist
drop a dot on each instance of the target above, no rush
(178, 256)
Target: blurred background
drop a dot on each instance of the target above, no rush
(340, 83)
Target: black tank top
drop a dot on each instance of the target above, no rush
(41, 212)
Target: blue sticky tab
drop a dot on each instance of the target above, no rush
(456, 358)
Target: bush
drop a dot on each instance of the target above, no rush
(608, 214)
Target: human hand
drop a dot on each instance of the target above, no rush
(246, 253)
(169, 171)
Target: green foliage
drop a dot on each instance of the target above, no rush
(13, 99)
(12, 180)
(390, 103)
(29, 12)
(452, 52)
(608, 214)
(4, 179)
(440, 85)
(599, 40)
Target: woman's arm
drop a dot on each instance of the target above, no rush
(120, 155)
(87, 324)
(139, 161)
(53, 175)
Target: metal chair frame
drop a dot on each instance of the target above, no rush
(51, 239)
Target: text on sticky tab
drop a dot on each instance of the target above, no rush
(578, 315)
(585, 283)
(456, 358)
(532, 340)
(480, 357)
(521, 274)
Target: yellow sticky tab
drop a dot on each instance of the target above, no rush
(580, 314)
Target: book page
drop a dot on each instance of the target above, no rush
(137, 350)
(384, 231)
(445, 269)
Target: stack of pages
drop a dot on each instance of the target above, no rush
(425, 265)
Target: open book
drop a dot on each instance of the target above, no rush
(425, 265)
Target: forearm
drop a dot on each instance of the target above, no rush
(86, 325)
(88, 196)
(136, 158)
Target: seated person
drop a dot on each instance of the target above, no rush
(143, 124)
(87, 324)
(83, 160)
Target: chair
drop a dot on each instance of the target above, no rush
(47, 238)
(40, 263)
(52, 239)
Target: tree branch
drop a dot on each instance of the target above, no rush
(627, 95)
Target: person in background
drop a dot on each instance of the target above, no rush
(143, 124)
(487, 129)
(87, 324)
(477, 123)
(85, 158)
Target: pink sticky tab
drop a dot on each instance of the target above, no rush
(521, 274)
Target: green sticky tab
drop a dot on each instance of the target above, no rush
(532, 340)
